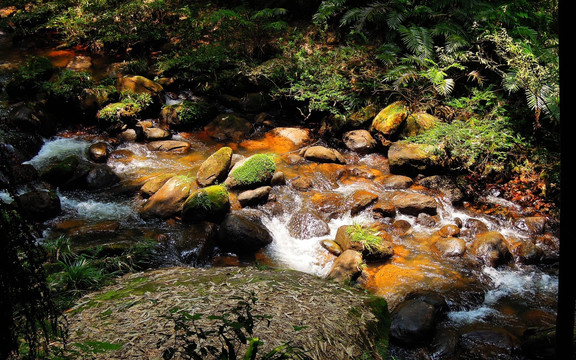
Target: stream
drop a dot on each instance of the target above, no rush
(514, 298)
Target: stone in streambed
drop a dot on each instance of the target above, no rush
(152, 185)
(323, 154)
(254, 197)
(390, 119)
(98, 152)
(100, 177)
(346, 267)
(171, 146)
(242, 235)
(215, 168)
(413, 203)
(40, 205)
(359, 141)
(490, 248)
(253, 172)
(169, 199)
(306, 225)
(207, 204)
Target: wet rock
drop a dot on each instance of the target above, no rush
(215, 169)
(329, 204)
(446, 185)
(129, 135)
(359, 141)
(414, 203)
(171, 146)
(346, 267)
(207, 204)
(449, 230)
(169, 199)
(323, 154)
(450, 246)
(414, 321)
(306, 225)
(383, 208)
(302, 183)
(40, 205)
(332, 247)
(298, 136)
(20, 174)
(361, 199)
(475, 227)
(253, 102)
(278, 179)
(229, 127)
(377, 248)
(344, 239)
(139, 84)
(390, 119)
(489, 344)
(401, 227)
(151, 186)
(411, 159)
(526, 252)
(101, 177)
(253, 172)
(98, 152)
(532, 224)
(187, 114)
(196, 245)
(396, 181)
(242, 235)
(68, 172)
(80, 63)
(490, 248)
(426, 220)
(254, 197)
(155, 134)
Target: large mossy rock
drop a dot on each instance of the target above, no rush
(412, 159)
(169, 199)
(336, 322)
(215, 169)
(253, 172)
(390, 119)
(207, 204)
(419, 123)
(187, 114)
(139, 84)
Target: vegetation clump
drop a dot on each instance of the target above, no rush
(206, 204)
(256, 170)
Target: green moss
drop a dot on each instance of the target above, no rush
(206, 204)
(390, 118)
(258, 169)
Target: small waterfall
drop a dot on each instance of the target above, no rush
(59, 148)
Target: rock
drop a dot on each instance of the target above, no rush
(390, 119)
(306, 225)
(532, 224)
(414, 321)
(151, 186)
(376, 248)
(414, 203)
(298, 136)
(361, 199)
(278, 179)
(332, 247)
(154, 134)
(323, 154)
(207, 204)
(172, 146)
(196, 245)
(396, 181)
(450, 246)
(302, 183)
(253, 172)
(229, 127)
(446, 185)
(128, 135)
(215, 169)
(254, 197)
(139, 84)
(490, 248)
(329, 205)
(426, 220)
(98, 152)
(359, 141)
(475, 227)
(488, 344)
(187, 114)
(100, 177)
(344, 239)
(253, 102)
(449, 230)
(242, 235)
(383, 208)
(526, 252)
(40, 205)
(79, 63)
(346, 267)
(169, 199)
(411, 159)
(418, 123)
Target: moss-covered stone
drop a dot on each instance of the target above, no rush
(206, 204)
(390, 119)
(255, 171)
(139, 84)
(188, 114)
(215, 168)
(418, 123)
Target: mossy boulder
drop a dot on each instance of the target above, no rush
(187, 114)
(206, 204)
(419, 123)
(253, 172)
(215, 169)
(139, 84)
(412, 159)
(390, 119)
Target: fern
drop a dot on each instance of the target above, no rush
(418, 40)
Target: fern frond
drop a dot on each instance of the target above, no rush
(418, 40)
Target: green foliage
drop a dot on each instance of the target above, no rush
(231, 330)
(69, 86)
(127, 110)
(256, 169)
(369, 238)
(26, 81)
(203, 62)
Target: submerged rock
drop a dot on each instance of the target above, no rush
(40, 205)
(306, 225)
(242, 235)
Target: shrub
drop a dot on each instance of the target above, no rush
(126, 111)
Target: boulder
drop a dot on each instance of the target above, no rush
(229, 127)
(411, 159)
(101, 176)
(446, 185)
(450, 246)
(419, 123)
(332, 247)
(98, 152)
(253, 172)
(152, 185)
(169, 199)
(197, 243)
(390, 119)
(40, 205)
(414, 321)
(360, 200)
(306, 225)
(298, 136)
(532, 224)
(323, 154)
(171, 146)
(207, 204)
(396, 181)
(360, 141)
(215, 169)
(490, 248)
(139, 84)
(242, 235)
(489, 344)
(154, 134)
(413, 203)
(254, 197)
(346, 267)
